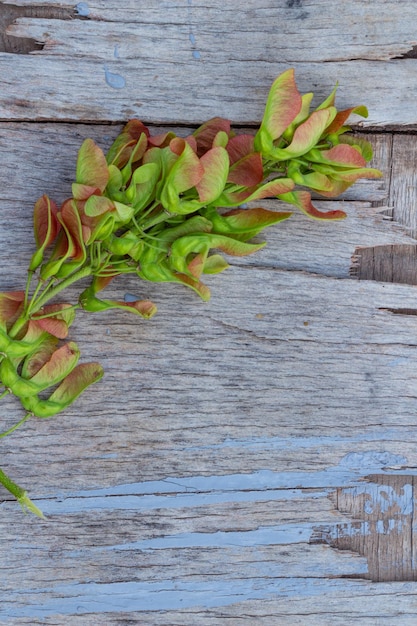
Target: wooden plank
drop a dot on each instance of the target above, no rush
(403, 188)
(188, 62)
(220, 472)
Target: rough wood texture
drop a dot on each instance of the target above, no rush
(185, 62)
(250, 460)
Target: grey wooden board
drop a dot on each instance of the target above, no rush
(207, 478)
(250, 460)
(188, 61)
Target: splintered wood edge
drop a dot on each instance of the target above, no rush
(393, 263)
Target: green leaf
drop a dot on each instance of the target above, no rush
(121, 149)
(92, 166)
(270, 189)
(207, 133)
(61, 362)
(69, 390)
(241, 221)
(302, 200)
(282, 107)
(98, 205)
(342, 116)
(46, 227)
(306, 135)
(247, 171)
(215, 164)
(214, 264)
(10, 304)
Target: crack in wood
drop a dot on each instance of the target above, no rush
(9, 13)
(411, 54)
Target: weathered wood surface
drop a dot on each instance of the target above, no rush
(250, 460)
(187, 61)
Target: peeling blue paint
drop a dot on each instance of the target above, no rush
(130, 297)
(82, 9)
(180, 492)
(114, 80)
(170, 595)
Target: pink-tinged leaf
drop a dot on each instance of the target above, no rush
(63, 311)
(76, 382)
(214, 264)
(53, 326)
(234, 247)
(268, 190)
(192, 142)
(337, 188)
(342, 116)
(301, 117)
(239, 147)
(56, 325)
(249, 220)
(302, 200)
(92, 166)
(215, 164)
(187, 171)
(306, 135)
(161, 141)
(45, 223)
(196, 265)
(82, 192)
(101, 282)
(206, 133)
(352, 176)
(343, 155)
(121, 149)
(61, 362)
(70, 220)
(200, 288)
(272, 189)
(248, 171)
(282, 107)
(98, 205)
(10, 305)
(33, 364)
(360, 144)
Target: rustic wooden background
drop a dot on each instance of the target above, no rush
(251, 460)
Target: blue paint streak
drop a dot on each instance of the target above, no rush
(83, 9)
(208, 490)
(170, 595)
(130, 297)
(196, 54)
(114, 80)
(116, 51)
(283, 534)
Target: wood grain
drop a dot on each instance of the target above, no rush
(202, 480)
(187, 62)
(250, 460)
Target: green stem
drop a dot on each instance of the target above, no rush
(73, 278)
(20, 495)
(29, 280)
(16, 426)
